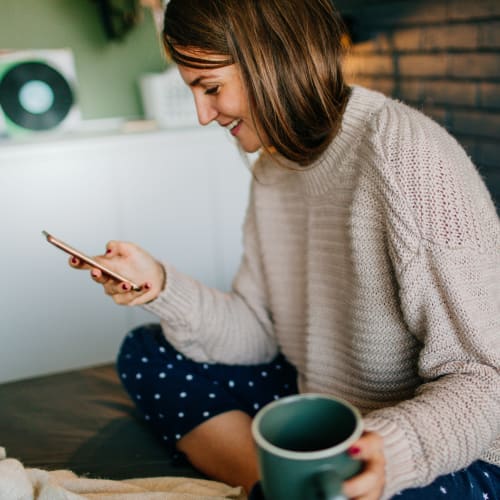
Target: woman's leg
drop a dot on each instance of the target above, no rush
(223, 449)
(479, 481)
(203, 410)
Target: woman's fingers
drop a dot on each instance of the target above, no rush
(369, 483)
(122, 293)
(135, 264)
(118, 249)
(368, 445)
(77, 263)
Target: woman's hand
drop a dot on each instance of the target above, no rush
(369, 483)
(135, 264)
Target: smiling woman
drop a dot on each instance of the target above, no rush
(370, 271)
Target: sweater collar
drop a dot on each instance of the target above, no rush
(317, 180)
(360, 108)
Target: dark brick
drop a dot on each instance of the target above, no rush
(489, 34)
(369, 65)
(470, 146)
(407, 39)
(489, 95)
(475, 123)
(437, 113)
(450, 93)
(384, 85)
(434, 65)
(473, 9)
(411, 90)
(439, 92)
(376, 43)
(459, 36)
(405, 12)
(365, 47)
(489, 154)
(476, 65)
(491, 177)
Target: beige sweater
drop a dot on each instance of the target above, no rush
(377, 273)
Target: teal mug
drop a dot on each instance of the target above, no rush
(302, 444)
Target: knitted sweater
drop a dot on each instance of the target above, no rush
(377, 274)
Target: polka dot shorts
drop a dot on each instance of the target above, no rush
(175, 394)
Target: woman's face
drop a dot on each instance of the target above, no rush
(220, 96)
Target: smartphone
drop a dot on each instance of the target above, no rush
(91, 262)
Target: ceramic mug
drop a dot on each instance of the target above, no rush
(302, 444)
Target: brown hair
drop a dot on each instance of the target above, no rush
(289, 53)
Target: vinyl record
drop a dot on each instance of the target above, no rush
(35, 96)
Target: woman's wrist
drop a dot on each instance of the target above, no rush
(162, 283)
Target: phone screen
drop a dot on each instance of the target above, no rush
(91, 262)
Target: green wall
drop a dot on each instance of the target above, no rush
(107, 72)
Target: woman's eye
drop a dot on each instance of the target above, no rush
(212, 90)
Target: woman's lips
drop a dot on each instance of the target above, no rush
(234, 130)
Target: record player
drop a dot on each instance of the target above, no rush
(37, 92)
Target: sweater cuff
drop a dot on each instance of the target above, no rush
(400, 471)
(174, 303)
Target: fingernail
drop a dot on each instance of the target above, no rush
(353, 450)
(74, 260)
(108, 250)
(94, 274)
(125, 286)
(147, 286)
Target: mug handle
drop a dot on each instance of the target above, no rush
(325, 485)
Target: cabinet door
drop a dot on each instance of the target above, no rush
(160, 190)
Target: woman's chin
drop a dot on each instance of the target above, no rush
(250, 147)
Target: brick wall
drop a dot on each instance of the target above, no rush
(440, 56)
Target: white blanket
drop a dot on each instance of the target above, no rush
(20, 483)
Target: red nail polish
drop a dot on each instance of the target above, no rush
(74, 260)
(125, 286)
(108, 250)
(353, 450)
(147, 286)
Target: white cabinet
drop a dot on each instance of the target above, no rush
(179, 194)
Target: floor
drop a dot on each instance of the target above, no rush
(83, 421)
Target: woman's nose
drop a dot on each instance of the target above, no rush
(206, 113)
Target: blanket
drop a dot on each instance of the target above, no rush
(20, 483)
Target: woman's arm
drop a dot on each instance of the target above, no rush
(452, 303)
(444, 241)
(209, 325)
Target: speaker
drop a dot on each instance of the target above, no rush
(37, 92)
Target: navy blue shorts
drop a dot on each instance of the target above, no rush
(479, 481)
(175, 394)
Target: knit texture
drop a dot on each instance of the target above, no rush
(377, 274)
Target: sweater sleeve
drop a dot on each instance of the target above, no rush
(451, 302)
(446, 252)
(208, 325)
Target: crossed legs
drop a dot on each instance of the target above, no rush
(203, 410)
(222, 448)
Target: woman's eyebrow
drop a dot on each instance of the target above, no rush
(198, 80)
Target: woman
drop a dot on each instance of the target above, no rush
(371, 267)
